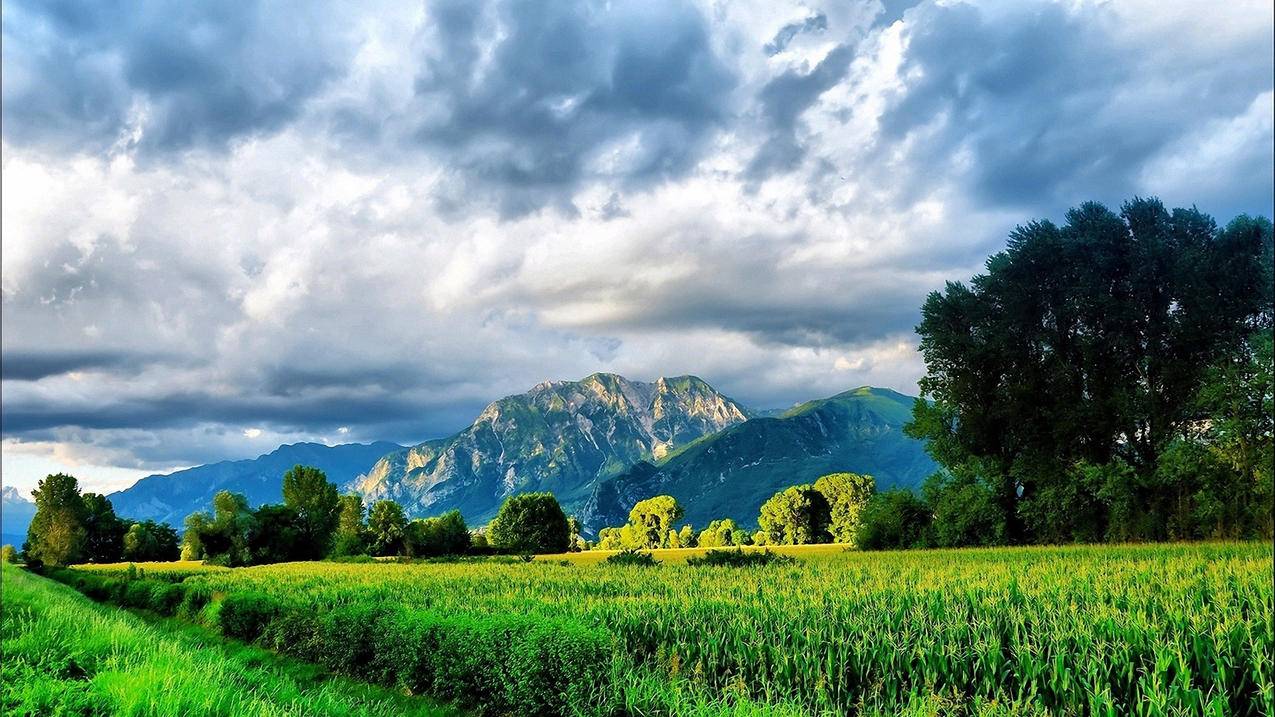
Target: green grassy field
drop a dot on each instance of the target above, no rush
(64, 655)
(1110, 630)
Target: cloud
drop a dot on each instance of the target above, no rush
(372, 224)
(164, 76)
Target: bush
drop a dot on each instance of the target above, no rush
(166, 597)
(894, 519)
(194, 598)
(137, 594)
(737, 558)
(245, 615)
(632, 557)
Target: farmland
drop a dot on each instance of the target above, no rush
(1168, 629)
(65, 655)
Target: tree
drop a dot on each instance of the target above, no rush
(686, 537)
(444, 535)
(893, 519)
(574, 540)
(224, 538)
(149, 541)
(964, 513)
(103, 530)
(351, 531)
(8, 554)
(387, 527)
(307, 491)
(653, 519)
(278, 535)
(1085, 343)
(722, 534)
(196, 525)
(57, 534)
(531, 523)
(846, 494)
(797, 515)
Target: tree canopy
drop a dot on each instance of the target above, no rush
(1058, 382)
(531, 523)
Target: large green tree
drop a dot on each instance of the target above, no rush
(351, 529)
(386, 528)
(103, 530)
(1085, 343)
(317, 503)
(652, 519)
(797, 515)
(57, 534)
(531, 523)
(149, 541)
(846, 493)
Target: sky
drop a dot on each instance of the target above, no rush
(228, 226)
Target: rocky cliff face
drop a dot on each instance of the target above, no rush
(561, 436)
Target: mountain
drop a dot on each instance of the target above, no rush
(561, 436)
(170, 498)
(15, 516)
(731, 473)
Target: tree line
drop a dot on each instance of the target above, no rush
(73, 527)
(827, 511)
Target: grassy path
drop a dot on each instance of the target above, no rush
(65, 655)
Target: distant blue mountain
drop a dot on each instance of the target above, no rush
(170, 498)
(15, 517)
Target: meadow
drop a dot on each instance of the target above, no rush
(1104, 630)
(64, 655)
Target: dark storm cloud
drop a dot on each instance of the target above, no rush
(203, 73)
(523, 97)
(1051, 106)
(35, 365)
(783, 100)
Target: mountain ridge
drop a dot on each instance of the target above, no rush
(560, 436)
(170, 497)
(729, 474)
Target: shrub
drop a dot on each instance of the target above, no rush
(194, 598)
(166, 597)
(737, 558)
(137, 594)
(632, 557)
(244, 615)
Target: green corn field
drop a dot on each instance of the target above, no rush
(1101, 630)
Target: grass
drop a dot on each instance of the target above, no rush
(64, 655)
(1104, 630)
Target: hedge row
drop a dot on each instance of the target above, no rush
(504, 664)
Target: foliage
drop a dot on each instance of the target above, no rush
(387, 528)
(1087, 345)
(306, 491)
(8, 554)
(63, 655)
(632, 557)
(103, 530)
(846, 494)
(277, 534)
(1161, 629)
(964, 512)
(530, 523)
(723, 534)
(444, 535)
(894, 519)
(57, 534)
(653, 519)
(739, 558)
(151, 541)
(797, 515)
(351, 536)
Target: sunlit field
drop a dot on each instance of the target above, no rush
(63, 655)
(1165, 629)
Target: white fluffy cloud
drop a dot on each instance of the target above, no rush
(214, 246)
